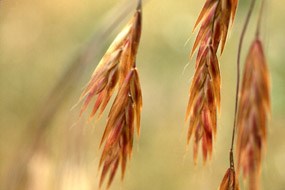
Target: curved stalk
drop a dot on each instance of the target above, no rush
(238, 78)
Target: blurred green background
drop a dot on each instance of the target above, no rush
(43, 143)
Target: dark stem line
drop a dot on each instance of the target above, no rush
(139, 6)
(259, 18)
(238, 78)
(139, 11)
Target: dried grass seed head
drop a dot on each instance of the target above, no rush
(254, 107)
(113, 67)
(204, 100)
(123, 118)
(117, 68)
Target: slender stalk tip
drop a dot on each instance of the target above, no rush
(232, 164)
(257, 33)
(139, 6)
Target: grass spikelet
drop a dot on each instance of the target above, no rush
(204, 100)
(230, 181)
(254, 107)
(117, 69)
(215, 18)
(123, 118)
(113, 67)
(203, 103)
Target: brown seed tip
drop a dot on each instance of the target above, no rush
(230, 181)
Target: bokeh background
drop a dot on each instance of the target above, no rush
(48, 51)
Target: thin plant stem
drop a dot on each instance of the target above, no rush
(259, 18)
(139, 6)
(238, 78)
(139, 10)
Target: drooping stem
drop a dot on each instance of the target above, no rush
(259, 18)
(238, 78)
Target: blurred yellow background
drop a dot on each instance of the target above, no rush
(43, 143)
